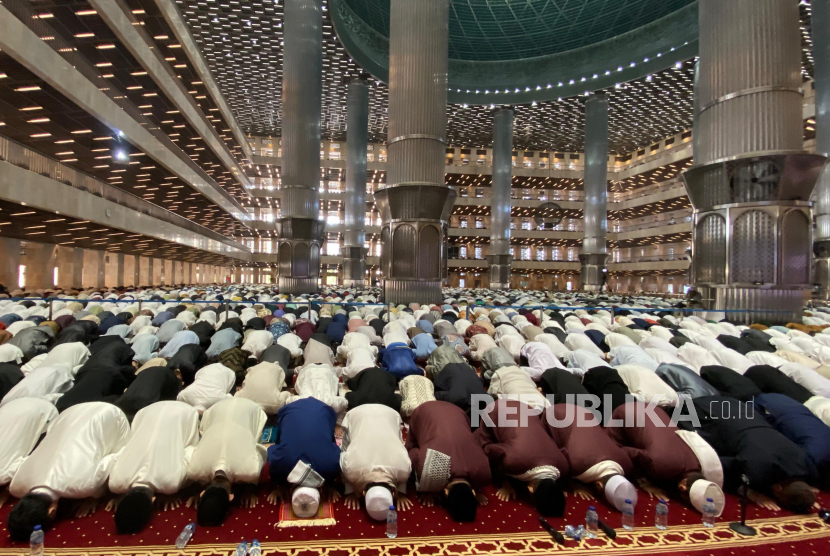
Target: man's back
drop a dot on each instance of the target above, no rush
(306, 433)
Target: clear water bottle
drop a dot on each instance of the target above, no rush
(661, 515)
(709, 513)
(36, 542)
(592, 523)
(184, 536)
(392, 523)
(241, 549)
(628, 515)
(256, 548)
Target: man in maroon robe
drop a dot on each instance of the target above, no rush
(447, 459)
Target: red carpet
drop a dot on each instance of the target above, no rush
(501, 528)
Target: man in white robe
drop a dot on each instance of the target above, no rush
(373, 459)
(320, 382)
(162, 440)
(24, 421)
(47, 382)
(228, 454)
(73, 461)
(210, 385)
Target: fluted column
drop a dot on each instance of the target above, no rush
(357, 133)
(821, 84)
(751, 181)
(300, 231)
(594, 251)
(499, 258)
(416, 204)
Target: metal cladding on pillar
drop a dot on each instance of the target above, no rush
(499, 258)
(594, 252)
(357, 140)
(752, 182)
(415, 206)
(821, 84)
(300, 231)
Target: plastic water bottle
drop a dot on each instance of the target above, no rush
(592, 523)
(392, 523)
(709, 513)
(241, 549)
(661, 515)
(256, 548)
(184, 536)
(628, 515)
(36, 542)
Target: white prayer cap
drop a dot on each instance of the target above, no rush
(378, 501)
(618, 489)
(701, 490)
(305, 501)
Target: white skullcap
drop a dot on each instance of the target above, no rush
(618, 489)
(378, 501)
(701, 490)
(305, 501)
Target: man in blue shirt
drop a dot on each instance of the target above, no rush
(305, 454)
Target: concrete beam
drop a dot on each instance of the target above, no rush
(19, 185)
(118, 16)
(27, 48)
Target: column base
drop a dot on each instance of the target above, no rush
(348, 283)
(404, 292)
(592, 274)
(297, 286)
(499, 286)
(768, 305)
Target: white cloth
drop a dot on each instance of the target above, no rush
(558, 348)
(820, 407)
(540, 358)
(161, 443)
(512, 344)
(257, 341)
(305, 501)
(292, 343)
(46, 382)
(644, 385)
(514, 383)
(358, 360)
(479, 344)
(618, 489)
(372, 449)
(378, 501)
(765, 358)
(732, 359)
(695, 356)
(710, 464)
(72, 355)
(582, 359)
(75, 458)
(230, 433)
(582, 342)
(808, 378)
(210, 385)
(10, 353)
(660, 357)
(354, 340)
(264, 385)
(615, 339)
(708, 343)
(319, 382)
(632, 355)
(23, 422)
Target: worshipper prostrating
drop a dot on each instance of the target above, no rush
(228, 456)
(373, 459)
(669, 456)
(305, 455)
(154, 461)
(24, 421)
(521, 451)
(447, 459)
(749, 446)
(73, 461)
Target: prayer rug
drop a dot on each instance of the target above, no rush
(324, 517)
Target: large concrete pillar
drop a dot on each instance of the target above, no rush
(821, 84)
(357, 139)
(77, 281)
(416, 204)
(10, 269)
(499, 258)
(119, 280)
(594, 253)
(300, 231)
(101, 269)
(752, 181)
